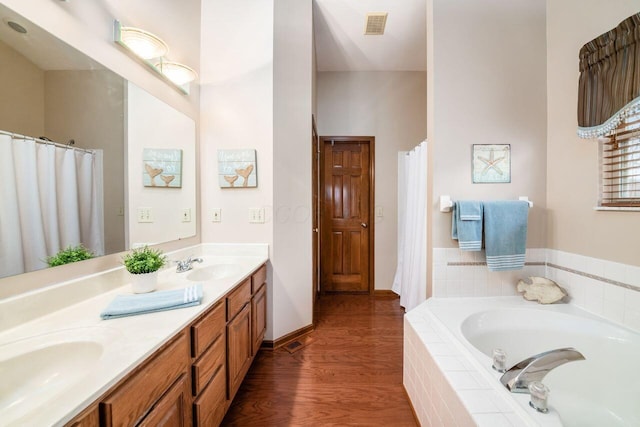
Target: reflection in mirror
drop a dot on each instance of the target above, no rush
(53, 91)
(162, 176)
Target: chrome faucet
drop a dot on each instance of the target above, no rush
(186, 265)
(520, 375)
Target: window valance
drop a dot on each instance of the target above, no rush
(609, 87)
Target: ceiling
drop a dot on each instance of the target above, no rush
(342, 46)
(40, 47)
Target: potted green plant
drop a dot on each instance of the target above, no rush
(143, 265)
(69, 255)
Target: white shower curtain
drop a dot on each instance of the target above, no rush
(410, 281)
(51, 198)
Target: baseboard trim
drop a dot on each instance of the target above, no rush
(274, 345)
(386, 293)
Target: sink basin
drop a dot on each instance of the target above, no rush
(214, 272)
(37, 371)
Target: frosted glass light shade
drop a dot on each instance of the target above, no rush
(143, 43)
(178, 73)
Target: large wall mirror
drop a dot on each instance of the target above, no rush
(91, 182)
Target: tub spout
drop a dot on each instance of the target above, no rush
(520, 375)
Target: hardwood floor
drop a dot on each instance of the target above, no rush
(350, 374)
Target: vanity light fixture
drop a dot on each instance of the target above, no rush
(178, 73)
(151, 50)
(143, 43)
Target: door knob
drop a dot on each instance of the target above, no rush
(363, 224)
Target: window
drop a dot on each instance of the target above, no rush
(620, 164)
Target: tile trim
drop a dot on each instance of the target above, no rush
(594, 277)
(481, 263)
(556, 266)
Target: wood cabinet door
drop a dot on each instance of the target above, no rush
(129, 402)
(172, 410)
(238, 349)
(345, 229)
(258, 318)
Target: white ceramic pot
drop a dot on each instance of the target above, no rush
(143, 283)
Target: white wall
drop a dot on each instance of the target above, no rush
(249, 102)
(237, 112)
(392, 107)
(292, 107)
(154, 124)
(572, 189)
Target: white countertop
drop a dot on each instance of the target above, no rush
(119, 344)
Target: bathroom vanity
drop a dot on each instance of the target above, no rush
(176, 368)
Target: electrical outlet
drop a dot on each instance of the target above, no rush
(216, 215)
(145, 215)
(256, 215)
(186, 215)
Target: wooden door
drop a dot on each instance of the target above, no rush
(346, 226)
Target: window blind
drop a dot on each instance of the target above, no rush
(620, 165)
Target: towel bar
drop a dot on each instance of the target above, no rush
(446, 203)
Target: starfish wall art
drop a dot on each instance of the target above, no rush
(491, 163)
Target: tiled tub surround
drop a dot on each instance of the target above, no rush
(70, 312)
(459, 273)
(605, 288)
(438, 374)
(450, 382)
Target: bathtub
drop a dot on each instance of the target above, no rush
(459, 335)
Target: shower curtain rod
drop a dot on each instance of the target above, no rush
(44, 141)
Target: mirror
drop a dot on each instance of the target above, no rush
(51, 90)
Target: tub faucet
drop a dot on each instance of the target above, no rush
(186, 265)
(520, 375)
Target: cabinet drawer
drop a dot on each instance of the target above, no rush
(89, 418)
(130, 401)
(258, 278)
(238, 298)
(207, 330)
(211, 361)
(209, 407)
(173, 409)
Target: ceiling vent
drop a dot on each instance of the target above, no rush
(375, 23)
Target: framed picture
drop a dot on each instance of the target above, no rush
(162, 167)
(237, 169)
(491, 163)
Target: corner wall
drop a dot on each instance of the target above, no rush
(391, 106)
(292, 152)
(572, 163)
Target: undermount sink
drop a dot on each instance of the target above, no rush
(214, 272)
(37, 371)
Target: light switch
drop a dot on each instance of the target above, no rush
(379, 212)
(186, 215)
(145, 215)
(216, 215)
(256, 215)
